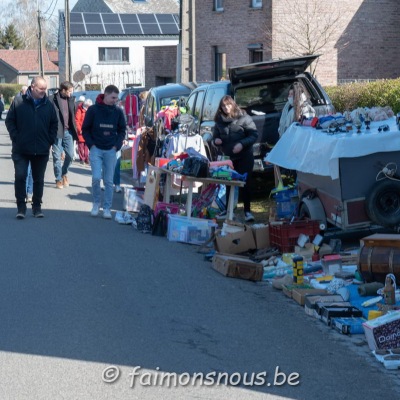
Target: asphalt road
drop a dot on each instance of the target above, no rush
(80, 296)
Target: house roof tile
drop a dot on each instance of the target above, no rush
(27, 60)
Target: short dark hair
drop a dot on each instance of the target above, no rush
(111, 89)
(66, 85)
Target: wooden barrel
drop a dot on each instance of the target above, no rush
(376, 262)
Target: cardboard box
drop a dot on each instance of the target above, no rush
(237, 267)
(189, 230)
(338, 311)
(289, 289)
(383, 332)
(299, 295)
(237, 242)
(310, 302)
(381, 240)
(348, 325)
(307, 251)
(261, 236)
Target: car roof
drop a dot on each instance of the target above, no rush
(173, 89)
(88, 94)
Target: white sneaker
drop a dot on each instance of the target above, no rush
(95, 210)
(107, 213)
(248, 217)
(118, 189)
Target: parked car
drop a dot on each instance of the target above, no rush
(88, 94)
(261, 89)
(162, 96)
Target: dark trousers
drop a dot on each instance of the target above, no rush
(38, 165)
(243, 165)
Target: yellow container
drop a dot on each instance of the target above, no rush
(372, 314)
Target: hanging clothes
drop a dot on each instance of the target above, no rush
(179, 142)
(132, 110)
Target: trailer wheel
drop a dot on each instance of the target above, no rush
(313, 209)
(383, 203)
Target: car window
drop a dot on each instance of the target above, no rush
(190, 104)
(214, 96)
(149, 109)
(266, 97)
(199, 103)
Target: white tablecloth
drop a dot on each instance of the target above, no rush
(310, 150)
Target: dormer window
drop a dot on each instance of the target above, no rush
(256, 3)
(219, 5)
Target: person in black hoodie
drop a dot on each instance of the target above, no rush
(236, 133)
(104, 129)
(32, 125)
(64, 104)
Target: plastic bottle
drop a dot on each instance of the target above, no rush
(389, 291)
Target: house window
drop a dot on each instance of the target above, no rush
(255, 56)
(2, 79)
(256, 3)
(219, 5)
(114, 54)
(53, 81)
(219, 65)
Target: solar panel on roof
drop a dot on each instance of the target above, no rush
(129, 18)
(91, 17)
(110, 18)
(151, 29)
(147, 18)
(95, 29)
(77, 29)
(75, 17)
(132, 29)
(165, 18)
(169, 29)
(113, 29)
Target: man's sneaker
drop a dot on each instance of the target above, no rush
(103, 188)
(248, 217)
(59, 184)
(95, 210)
(118, 189)
(65, 181)
(21, 212)
(37, 212)
(29, 198)
(107, 213)
(221, 215)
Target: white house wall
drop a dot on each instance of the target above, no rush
(86, 52)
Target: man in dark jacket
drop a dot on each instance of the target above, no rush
(104, 131)
(64, 103)
(32, 124)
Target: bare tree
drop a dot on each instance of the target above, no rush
(23, 15)
(306, 27)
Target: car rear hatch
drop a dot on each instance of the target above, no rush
(267, 70)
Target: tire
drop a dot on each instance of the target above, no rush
(383, 203)
(304, 211)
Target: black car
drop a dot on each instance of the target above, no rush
(261, 89)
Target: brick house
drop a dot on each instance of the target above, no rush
(124, 42)
(224, 33)
(20, 66)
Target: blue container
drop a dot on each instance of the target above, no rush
(286, 202)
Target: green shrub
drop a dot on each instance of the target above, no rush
(385, 92)
(9, 90)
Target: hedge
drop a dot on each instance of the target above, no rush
(9, 90)
(385, 92)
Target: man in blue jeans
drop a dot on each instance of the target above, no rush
(104, 131)
(64, 103)
(32, 124)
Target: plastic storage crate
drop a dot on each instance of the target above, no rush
(284, 235)
(286, 202)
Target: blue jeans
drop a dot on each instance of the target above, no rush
(117, 171)
(29, 180)
(65, 144)
(102, 163)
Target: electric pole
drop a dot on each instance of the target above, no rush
(41, 69)
(67, 44)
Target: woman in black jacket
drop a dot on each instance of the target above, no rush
(236, 133)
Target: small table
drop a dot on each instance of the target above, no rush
(204, 181)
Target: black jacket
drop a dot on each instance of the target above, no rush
(232, 131)
(32, 129)
(55, 99)
(104, 126)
